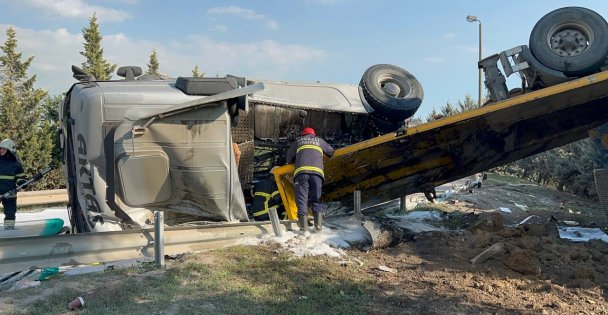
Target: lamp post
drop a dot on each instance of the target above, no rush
(473, 18)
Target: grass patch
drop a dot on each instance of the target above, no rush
(236, 280)
(428, 206)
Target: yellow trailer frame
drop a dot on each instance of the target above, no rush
(431, 154)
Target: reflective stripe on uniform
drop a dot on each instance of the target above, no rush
(309, 146)
(309, 168)
(7, 177)
(259, 213)
(268, 197)
(20, 175)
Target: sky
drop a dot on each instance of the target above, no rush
(332, 41)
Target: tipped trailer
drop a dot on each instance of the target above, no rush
(562, 98)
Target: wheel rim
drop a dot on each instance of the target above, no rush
(570, 39)
(392, 87)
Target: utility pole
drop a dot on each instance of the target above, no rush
(472, 18)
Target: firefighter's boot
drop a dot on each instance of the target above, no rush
(303, 224)
(318, 216)
(9, 224)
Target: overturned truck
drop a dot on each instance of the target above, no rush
(142, 144)
(139, 145)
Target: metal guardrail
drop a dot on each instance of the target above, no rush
(23, 253)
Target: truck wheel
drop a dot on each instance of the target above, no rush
(573, 40)
(393, 92)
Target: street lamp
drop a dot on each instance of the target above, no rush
(472, 18)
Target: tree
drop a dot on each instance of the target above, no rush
(95, 64)
(196, 73)
(22, 110)
(568, 168)
(153, 64)
(449, 110)
(468, 104)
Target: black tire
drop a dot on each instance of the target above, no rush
(572, 40)
(393, 92)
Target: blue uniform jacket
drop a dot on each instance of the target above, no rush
(308, 153)
(10, 170)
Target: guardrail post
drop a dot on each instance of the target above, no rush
(159, 238)
(274, 221)
(357, 205)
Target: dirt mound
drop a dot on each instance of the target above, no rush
(530, 271)
(536, 272)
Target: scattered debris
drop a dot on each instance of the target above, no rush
(486, 254)
(571, 223)
(490, 222)
(386, 269)
(383, 231)
(522, 207)
(532, 219)
(579, 234)
(77, 303)
(47, 273)
(503, 209)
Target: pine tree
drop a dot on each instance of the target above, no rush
(153, 64)
(22, 110)
(95, 64)
(449, 110)
(468, 104)
(196, 73)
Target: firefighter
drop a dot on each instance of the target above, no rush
(307, 151)
(11, 174)
(265, 197)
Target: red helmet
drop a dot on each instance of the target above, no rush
(308, 131)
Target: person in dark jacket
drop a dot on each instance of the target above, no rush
(307, 151)
(265, 197)
(11, 173)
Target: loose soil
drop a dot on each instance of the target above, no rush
(536, 272)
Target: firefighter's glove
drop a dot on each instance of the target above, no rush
(21, 181)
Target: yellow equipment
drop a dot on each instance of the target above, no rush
(431, 154)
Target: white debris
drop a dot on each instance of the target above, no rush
(338, 234)
(386, 269)
(532, 219)
(419, 221)
(503, 209)
(579, 234)
(522, 207)
(571, 223)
